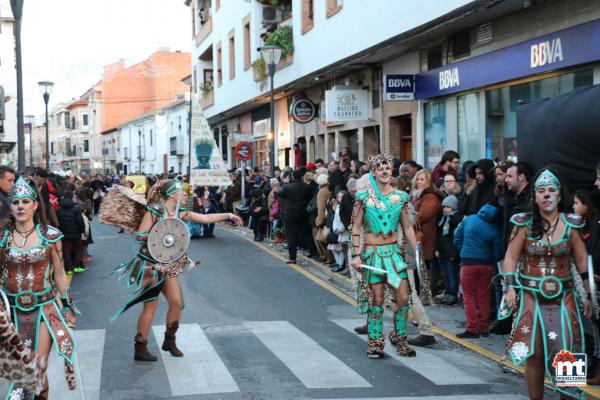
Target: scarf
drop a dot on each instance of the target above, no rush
(445, 223)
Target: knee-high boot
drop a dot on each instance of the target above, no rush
(376, 341)
(141, 351)
(169, 342)
(398, 336)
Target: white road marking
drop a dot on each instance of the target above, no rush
(90, 349)
(456, 397)
(200, 370)
(314, 366)
(426, 363)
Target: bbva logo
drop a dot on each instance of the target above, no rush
(547, 52)
(449, 78)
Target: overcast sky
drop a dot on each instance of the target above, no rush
(69, 41)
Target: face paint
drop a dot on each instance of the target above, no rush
(547, 198)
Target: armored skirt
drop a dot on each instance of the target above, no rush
(27, 279)
(548, 308)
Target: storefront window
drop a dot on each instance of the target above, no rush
(502, 103)
(469, 127)
(435, 132)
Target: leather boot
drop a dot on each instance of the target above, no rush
(141, 351)
(169, 342)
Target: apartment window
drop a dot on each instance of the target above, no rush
(86, 146)
(195, 80)
(434, 57)
(151, 138)
(193, 22)
(247, 62)
(173, 146)
(84, 120)
(51, 148)
(307, 15)
(232, 55)
(219, 65)
(333, 7)
(461, 44)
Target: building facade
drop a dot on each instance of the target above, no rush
(8, 83)
(425, 77)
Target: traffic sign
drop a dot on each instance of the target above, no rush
(244, 151)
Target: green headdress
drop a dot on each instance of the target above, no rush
(22, 189)
(547, 178)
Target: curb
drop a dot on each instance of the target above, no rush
(344, 282)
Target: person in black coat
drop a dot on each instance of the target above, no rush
(259, 211)
(72, 226)
(483, 193)
(296, 197)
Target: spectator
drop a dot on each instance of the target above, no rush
(98, 190)
(447, 254)
(585, 208)
(483, 192)
(340, 228)
(333, 165)
(206, 203)
(593, 248)
(320, 220)
(447, 166)
(260, 217)
(451, 187)
(7, 180)
(296, 198)
(274, 214)
(72, 225)
(355, 166)
(500, 171)
(427, 200)
(319, 163)
(409, 169)
(518, 196)
(478, 240)
(299, 156)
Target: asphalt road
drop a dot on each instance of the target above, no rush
(253, 328)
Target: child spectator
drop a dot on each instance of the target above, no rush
(478, 238)
(259, 212)
(446, 253)
(584, 207)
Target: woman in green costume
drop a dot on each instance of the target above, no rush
(377, 213)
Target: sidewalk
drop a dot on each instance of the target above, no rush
(447, 321)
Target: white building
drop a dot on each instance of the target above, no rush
(164, 137)
(8, 81)
(464, 98)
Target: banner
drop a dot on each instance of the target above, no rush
(344, 105)
(208, 168)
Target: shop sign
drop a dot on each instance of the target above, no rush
(399, 87)
(303, 111)
(346, 105)
(573, 46)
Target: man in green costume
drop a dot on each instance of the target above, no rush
(377, 213)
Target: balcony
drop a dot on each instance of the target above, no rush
(207, 99)
(204, 31)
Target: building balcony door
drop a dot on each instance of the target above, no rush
(401, 134)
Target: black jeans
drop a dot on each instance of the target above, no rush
(297, 229)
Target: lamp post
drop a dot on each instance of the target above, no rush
(271, 55)
(46, 88)
(17, 11)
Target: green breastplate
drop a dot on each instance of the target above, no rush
(382, 213)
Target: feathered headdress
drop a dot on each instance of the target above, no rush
(378, 160)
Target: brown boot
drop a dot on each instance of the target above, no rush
(169, 342)
(141, 351)
(362, 330)
(402, 346)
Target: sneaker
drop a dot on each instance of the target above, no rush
(339, 268)
(79, 270)
(467, 335)
(422, 341)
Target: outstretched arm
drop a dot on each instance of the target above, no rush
(210, 218)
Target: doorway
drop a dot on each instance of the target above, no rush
(401, 130)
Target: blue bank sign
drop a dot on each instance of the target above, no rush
(399, 87)
(577, 45)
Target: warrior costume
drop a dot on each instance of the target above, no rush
(545, 284)
(28, 281)
(381, 217)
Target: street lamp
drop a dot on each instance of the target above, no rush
(17, 11)
(271, 55)
(46, 88)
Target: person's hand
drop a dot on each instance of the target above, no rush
(356, 263)
(235, 219)
(510, 298)
(588, 309)
(71, 318)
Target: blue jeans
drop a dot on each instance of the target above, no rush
(450, 270)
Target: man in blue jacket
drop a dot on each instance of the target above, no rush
(478, 238)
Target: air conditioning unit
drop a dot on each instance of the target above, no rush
(271, 15)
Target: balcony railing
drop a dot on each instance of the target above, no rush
(204, 31)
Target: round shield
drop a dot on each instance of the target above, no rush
(168, 240)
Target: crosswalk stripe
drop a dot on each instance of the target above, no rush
(201, 370)
(426, 363)
(313, 365)
(88, 368)
(455, 397)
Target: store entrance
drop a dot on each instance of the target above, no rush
(401, 128)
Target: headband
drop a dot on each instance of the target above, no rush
(174, 188)
(547, 178)
(21, 189)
